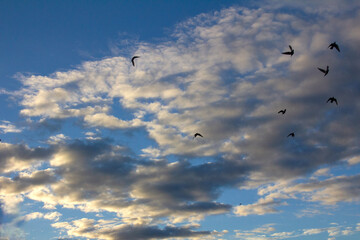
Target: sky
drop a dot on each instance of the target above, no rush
(93, 147)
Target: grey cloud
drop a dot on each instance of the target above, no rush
(114, 231)
(19, 157)
(97, 175)
(223, 75)
(334, 190)
(153, 232)
(329, 191)
(21, 184)
(206, 206)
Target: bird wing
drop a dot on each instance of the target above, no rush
(335, 101)
(198, 134)
(322, 70)
(331, 45)
(328, 100)
(287, 53)
(290, 47)
(132, 60)
(337, 47)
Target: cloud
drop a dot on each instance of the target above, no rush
(354, 160)
(18, 157)
(55, 216)
(221, 74)
(6, 127)
(57, 139)
(261, 207)
(112, 230)
(99, 176)
(313, 231)
(266, 232)
(26, 182)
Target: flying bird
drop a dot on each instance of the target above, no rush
(132, 60)
(332, 99)
(282, 111)
(291, 135)
(289, 53)
(197, 134)
(324, 71)
(334, 45)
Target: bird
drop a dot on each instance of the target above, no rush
(282, 111)
(289, 53)
(291, 134)
(332, 99)
(324, 71)
(197, 134)
(132, 60)
(334, 45)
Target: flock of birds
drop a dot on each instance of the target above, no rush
(291, 53)
(325, 71)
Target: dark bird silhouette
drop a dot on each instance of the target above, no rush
(334, 45)
(132, 60)
(289, 53)
(282, 111)
(197, 134)
(324, 71)
(291, 134)
(332, 99)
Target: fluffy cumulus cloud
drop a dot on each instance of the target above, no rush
(220, 74)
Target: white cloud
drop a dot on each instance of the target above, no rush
(313, 231)
(261, 207)
(59, 138)
(222, 75)
(354, 160)
(7, 127)
(55, 216)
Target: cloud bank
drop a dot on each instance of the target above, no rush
(221, 74)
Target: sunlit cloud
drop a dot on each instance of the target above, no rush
(221, 74)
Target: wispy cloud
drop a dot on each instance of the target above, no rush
(271, 232)
(7, 127)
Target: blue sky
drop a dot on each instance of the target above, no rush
(95, 148)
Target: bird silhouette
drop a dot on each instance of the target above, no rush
(324, 71)
(332, 99)
(282, 111)
(197, 134)
(334, 45)
(132, 60)
(291, 134)
(289, 53)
